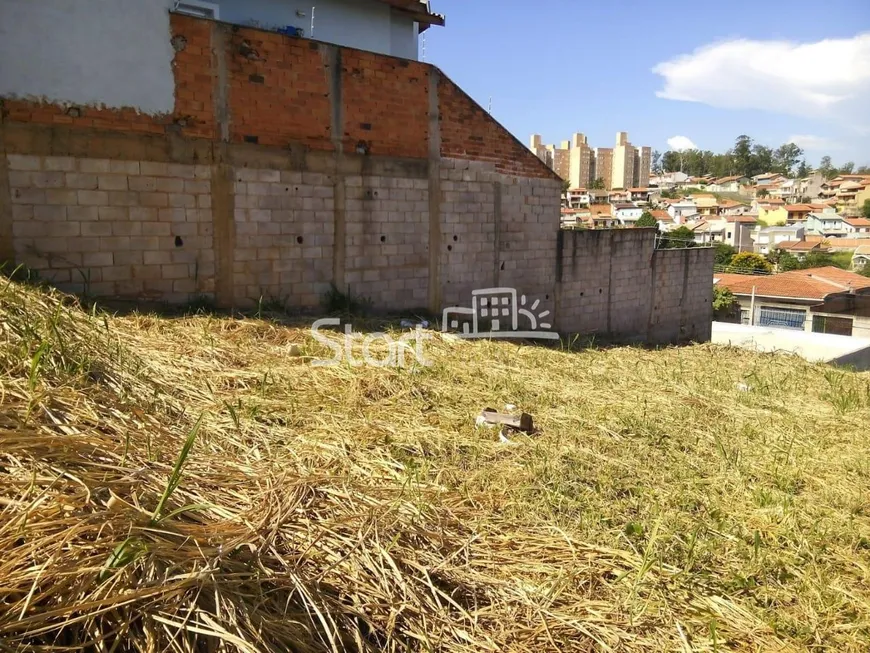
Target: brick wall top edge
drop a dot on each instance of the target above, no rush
(237, 28)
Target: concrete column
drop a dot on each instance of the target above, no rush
(222, 181)
(332, 62)
(434, 193)
(7, 252)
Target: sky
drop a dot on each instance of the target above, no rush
(670, 74)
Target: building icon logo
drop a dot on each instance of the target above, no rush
(498, 312)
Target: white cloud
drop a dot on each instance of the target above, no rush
(825, 79)
(678, 143)
(814, 143)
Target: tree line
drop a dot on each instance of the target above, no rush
(747, 159)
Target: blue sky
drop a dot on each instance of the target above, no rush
(774, 70)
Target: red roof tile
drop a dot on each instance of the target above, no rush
(813, 284)
(858, 222)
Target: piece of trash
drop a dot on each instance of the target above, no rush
(503, 439)
(521, 423)
(743, 387)
(480, 420)
(510, 407)
(410, 324)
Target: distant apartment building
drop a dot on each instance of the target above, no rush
(558, 158)
(623, 162)
(642, 165)
(623, 166)
(581, 171)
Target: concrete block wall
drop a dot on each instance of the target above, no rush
(387, 240)
(614, 282)
(114, 227)
(289, 165)
(284, 236)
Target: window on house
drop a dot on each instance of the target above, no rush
(841, 326)
(782, 318)
(744, 316)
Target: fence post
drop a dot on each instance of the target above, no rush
(752, 308)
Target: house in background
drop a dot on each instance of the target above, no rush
(707, 204)
(732, 207)
(728, 184)
(682, 209)
(800, 248)
(820, 300)
(384, 26)
(769, 179)
(577, 198)
(639, 194)
(852, 194)
(766, 239)
(832, 225)
(627, 214)
(733, 230)
(668, 180)
(861, 257)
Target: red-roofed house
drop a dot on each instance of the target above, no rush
(823, 300)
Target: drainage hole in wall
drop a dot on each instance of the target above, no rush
(178, 241)
(299, 239)
(455, 238)
(599, 291)
(450, 248)
(383, 239)
(502, 266)
(581, 294)
(546, 297)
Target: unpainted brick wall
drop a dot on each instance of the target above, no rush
(281, 90)
(614, 282)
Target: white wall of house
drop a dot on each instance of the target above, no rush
(363, 24)
(88, 52)
(860, 325)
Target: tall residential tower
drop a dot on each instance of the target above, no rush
(622, 166)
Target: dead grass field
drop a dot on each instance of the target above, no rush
(660, 508)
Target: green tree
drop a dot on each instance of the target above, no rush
(566, 185)
(656, 162)
(724, 254)
(786, 159)
(762, 159)
(678, 238)
(742, 153)
(787, 262)
(597, 184)
(865, 210)
(724, 304)
(827, 168)
(646, 219)
(671, 161)
(816, 260)
(847, 168)
(749, 262)
(762, 192)
(804, 170)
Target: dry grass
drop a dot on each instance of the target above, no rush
(661, 508)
